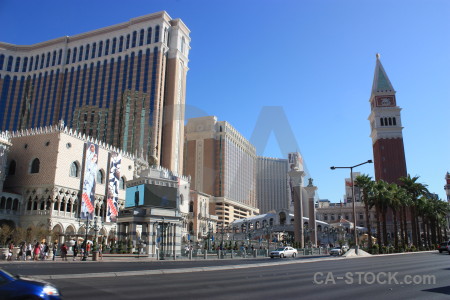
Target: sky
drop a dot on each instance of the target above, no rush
(308, 65)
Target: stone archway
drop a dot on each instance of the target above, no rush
(57, 234)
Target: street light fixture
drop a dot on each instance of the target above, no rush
(353, 198)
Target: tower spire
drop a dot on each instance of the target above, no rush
(381, 83)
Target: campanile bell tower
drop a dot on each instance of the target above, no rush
(386, 129)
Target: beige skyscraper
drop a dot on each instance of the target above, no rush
(221, 163)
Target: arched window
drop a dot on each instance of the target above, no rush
(381, 120)
(191, 227)
(149, 35)
(35, 166)
(2, 60)
(74, 170)
(100, 49)
(394, 121)
(181, 199)
(86, 54)
(122, 183)
(107, 47)
(80, 56)
(12, 168)
(74, 56)
(100, 177)
(182, 44)
(113, 48)
(17, 67)
(191, 206)
(133, 41)
(120, 44)
(68, 57)
(127, 44)
(10, 62)
(157, 34)
(390, 121)
(94, 48)
(54, 58)
(141, 37)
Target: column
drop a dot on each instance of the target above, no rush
(132, 234)
(311, 190)
(296, 177)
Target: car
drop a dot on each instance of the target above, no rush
(283, 252)
(337, 250)
(19, 287)
(445, 246)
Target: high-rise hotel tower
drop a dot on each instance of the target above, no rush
(123, 84)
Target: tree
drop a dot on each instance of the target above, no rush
(6, 232)
(414, 190)
(365, 183)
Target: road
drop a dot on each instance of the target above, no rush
(381, 277)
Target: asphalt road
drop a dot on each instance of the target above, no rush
(409, 276)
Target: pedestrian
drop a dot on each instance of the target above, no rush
(100, 254)
(36, 251)
(10, 252)
(75, 251)
(64, 252)
(55, 247)
(29, 251)
(45, 250)
(88, 249)
(23, 251)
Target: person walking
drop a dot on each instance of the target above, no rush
(55, 247)
(100, 254)
(75, 251)
(64, 252)
(45, 250)
(36, 251)
(24, 251)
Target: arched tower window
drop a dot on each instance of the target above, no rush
(35, 166)
(382, 121)
(394, 122)
(191, 206)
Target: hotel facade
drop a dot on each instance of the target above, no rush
(123, 85)
(221, 163)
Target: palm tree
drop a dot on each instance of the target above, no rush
(414, 190)
(365, 183)
(382, 195)
(396, 202)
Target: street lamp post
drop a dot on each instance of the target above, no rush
(161, 254)
(353, 197)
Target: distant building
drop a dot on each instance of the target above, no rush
(272, 184)
(348, 189)
(222, 163)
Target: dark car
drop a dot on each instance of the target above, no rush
(445, 246)
(18, 287)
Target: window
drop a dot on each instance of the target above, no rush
(74, 56)
(67, 57)
(122, 183)
(121, 44)
(113, 49)
(107, 47)
(100, 177)
(2, 59)
(127, 45)
(157, 34)
(149, 35)
(133, 42)
(100, 48)
(80, 56)
(191, 206)
(25, 64)
(10, 62)
(141, 37)
(94, 48)
(16, 68)
(35, 166)
(86, 54)
(12, 168)
(74, 170)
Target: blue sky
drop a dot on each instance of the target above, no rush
(314, 59)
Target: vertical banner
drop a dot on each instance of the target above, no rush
(113, 187)
(90, 173)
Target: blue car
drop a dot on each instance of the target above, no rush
(18, 287)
